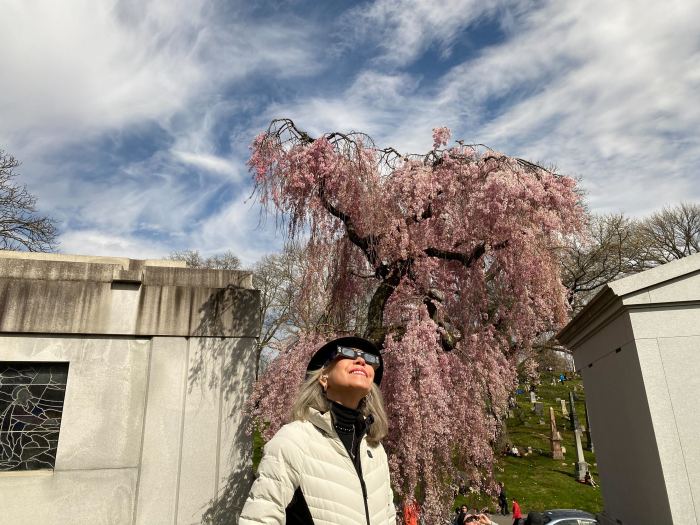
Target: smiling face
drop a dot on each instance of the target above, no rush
(347, 381)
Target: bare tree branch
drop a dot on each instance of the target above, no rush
(21, 228)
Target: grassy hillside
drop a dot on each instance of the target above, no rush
(537, 481)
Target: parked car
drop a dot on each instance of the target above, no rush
(569, 517)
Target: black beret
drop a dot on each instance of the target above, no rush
(327, 352)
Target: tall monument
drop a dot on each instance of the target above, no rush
(555, 437)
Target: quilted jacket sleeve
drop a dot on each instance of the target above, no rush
(278, 478)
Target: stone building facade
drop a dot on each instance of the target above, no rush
(637, 345)
(122, 384)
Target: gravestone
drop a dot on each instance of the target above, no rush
(564, 411)
(581, 465)
(555, 437)
(533, 398)
(572, 412)
(539, 408)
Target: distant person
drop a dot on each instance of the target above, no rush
(562, 378)
(411, 511)
(502, 499)
(461, 517)
(588, 480)
(517, 514)
(515, 452)
(534, 518)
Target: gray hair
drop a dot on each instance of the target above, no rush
(311, 395)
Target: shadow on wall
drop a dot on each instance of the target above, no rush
(226, 365)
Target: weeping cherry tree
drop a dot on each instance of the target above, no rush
(452, 258)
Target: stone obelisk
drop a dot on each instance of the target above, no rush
(589, 439)
(581, 465)
(572, 412)
(555, 437)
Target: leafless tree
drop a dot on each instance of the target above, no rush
(672, 233)
(604, 256)
(193, 259)
(21, 227)
(277, 278)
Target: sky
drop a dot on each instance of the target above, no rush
(133, 119)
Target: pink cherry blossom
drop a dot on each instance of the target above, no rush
(441, 137)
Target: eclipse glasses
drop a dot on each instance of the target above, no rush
(353, 353)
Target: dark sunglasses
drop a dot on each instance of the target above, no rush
(353, 353)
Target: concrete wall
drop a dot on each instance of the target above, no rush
(161, 361)
(631, 475)
(637, 347)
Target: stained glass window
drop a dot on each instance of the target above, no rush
(31, 405)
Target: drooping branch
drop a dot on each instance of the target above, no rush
(366, 244)
(467, 259)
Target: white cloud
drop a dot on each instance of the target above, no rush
(621, 106)
(242, 227)
(97, 242)
(403, 29)
(607, 92)
(85, 75)
(81, 67)
(212, 163)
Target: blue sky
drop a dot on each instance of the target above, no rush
(133, 119)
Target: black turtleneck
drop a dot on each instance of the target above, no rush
(350, 426)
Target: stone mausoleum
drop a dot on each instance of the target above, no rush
(121, 390)
(637, 345)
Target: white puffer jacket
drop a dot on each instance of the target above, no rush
(310, 456)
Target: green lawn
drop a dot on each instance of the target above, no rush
(538, 482)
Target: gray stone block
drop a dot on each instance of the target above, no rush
(75, 497)
(162, 432)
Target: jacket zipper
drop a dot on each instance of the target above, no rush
(364, 495)
(360, 477)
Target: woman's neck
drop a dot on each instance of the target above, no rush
(342, 398)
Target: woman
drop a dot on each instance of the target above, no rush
(328, 464)
(517, 513)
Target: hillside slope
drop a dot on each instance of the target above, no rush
(537, 481)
